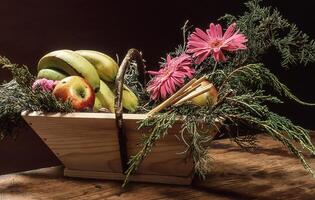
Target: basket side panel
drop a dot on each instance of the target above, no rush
(87, 144)
(166, 157)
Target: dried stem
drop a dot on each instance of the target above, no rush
(195, 85)
(168, 101)
(194, 94)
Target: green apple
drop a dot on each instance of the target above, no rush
(76, 90)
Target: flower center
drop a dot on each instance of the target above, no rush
(167, 73)
(215, 43)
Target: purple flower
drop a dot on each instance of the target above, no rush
(44, 84)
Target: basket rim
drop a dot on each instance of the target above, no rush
(94, 115)
(81, 115)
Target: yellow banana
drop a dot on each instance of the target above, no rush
(51, 74)
(129, 99)
(97, 103)
(105, 66)
(71, 63)
(104, 98)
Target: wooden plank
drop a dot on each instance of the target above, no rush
(270, 172)
(178, 180)
(88, 142)
(165, 155)
(82, 115)
(80, 143)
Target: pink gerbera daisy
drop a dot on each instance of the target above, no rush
(212, 42)
(172, 74)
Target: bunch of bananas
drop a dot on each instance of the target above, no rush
(97, 68)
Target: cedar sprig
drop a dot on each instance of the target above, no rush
(258, 77)
(17, 96)
(159, 128)
(242, 102)
(266, 28)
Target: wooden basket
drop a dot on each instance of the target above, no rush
(98, 145)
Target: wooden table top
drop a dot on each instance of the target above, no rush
(268, 173)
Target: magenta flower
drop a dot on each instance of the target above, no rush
(172, 74)
(44, 84)
(202, 44)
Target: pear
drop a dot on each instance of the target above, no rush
(210, 97)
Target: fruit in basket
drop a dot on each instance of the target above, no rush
(97, 104)
(51, 74)
(129, 99)
(71, 63)
(210, 97)
(105, 66)
(104, 98)
(76, 90)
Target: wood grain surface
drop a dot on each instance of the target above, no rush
(268, 173)
(87, 145)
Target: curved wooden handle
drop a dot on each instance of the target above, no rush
(132, 55)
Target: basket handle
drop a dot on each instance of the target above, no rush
(132, 55)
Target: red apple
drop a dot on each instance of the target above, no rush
(210, 97)
(77, 91)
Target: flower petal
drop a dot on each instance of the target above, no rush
(229, 31)
(211, 31)
(218, 31)
(219, 56)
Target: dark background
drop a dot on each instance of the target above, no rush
(29, 29)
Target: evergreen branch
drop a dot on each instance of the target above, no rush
(265, 28)
(259, 76)
(160, 125)
(248, 106)
(283, 130)
(295, 47)
(242, 101)
(198, 144)
(280, 128)
(17, 96)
